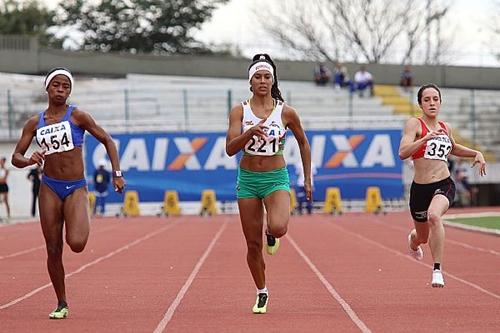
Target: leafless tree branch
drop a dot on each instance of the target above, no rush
(365, 29)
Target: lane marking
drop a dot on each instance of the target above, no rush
(471, 247)
(14, 222)
(350, 312)
(476, 214)
(182, 292)
(446, 239)
(406, 256)
(15, 254)
(483, 230)
(87, 265)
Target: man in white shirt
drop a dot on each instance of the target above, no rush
(363, 79)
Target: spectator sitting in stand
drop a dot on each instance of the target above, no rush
(406, 80)
(341, 77)
(321, 75)
(363, 79)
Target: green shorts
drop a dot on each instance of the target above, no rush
(253, 184)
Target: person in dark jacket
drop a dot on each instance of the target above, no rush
(101, 184)
(34, 176)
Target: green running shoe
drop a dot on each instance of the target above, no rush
(61, 312)
(261, 303)
(273, 244)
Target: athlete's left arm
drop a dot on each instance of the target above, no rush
(462, 151)
(292, 121)
(85, 121)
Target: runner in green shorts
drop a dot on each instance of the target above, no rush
(258, 126)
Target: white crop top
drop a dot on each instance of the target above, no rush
(276, 131)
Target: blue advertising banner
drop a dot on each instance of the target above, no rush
(192, 162)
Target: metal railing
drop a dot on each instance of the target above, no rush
(18, 43)
(473, 114)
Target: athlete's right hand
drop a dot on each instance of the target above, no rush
(37, 157)
(259, 130)
(433, 134)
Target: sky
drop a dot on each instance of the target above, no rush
(234, 23)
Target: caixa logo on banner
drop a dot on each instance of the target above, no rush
(192, 162)
(176, 152)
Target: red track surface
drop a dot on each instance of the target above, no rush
(189, 274)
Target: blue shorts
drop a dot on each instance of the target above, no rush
(63, 188)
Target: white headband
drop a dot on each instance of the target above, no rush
(59, 72)
(260, 66)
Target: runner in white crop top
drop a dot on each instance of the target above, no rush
(274, 144)
(258, 127)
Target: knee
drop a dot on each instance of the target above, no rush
(77, 246)
(278, 231)
(254, 248)
(54, 251)
(433, 219)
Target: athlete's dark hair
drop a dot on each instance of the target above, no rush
(425, 86)
(275, 91)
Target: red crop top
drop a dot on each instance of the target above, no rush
(421, 150)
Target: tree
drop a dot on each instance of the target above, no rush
(493, 26)
(366, 30)
(156, 26)
(24, 18)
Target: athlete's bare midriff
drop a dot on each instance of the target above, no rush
(262, 163)
(429, 171)
(65, 166)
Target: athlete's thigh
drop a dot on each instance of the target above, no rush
(252, 217)
(439, 205)
(51, 214)
(278, 208)
(76, 214)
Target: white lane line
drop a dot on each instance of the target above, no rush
(182, 292)
(446, 239)
(471, 247)
(16, 222)
(476, 214)
(494, 232)
(406, 256)
(350, 312)
(15, 254)
(92, 263)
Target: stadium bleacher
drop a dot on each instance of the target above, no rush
(172, 103)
